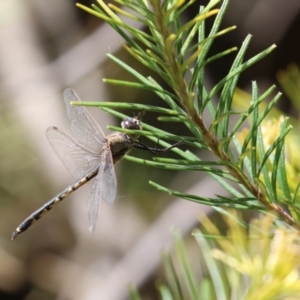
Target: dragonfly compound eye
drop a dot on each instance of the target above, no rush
(131, 123)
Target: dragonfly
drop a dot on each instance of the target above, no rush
(89, 154)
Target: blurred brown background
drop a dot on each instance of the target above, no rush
(46, 46)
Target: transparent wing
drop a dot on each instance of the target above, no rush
(78, 159)
(104, 188)
(84, 127)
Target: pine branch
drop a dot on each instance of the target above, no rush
(169, 51)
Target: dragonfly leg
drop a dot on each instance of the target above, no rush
(142, 146)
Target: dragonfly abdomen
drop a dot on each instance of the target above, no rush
(51, 203)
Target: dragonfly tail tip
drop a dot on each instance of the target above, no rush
(14, 235)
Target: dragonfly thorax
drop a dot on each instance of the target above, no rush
(120, 144)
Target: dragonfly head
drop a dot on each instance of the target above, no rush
(133, 123)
